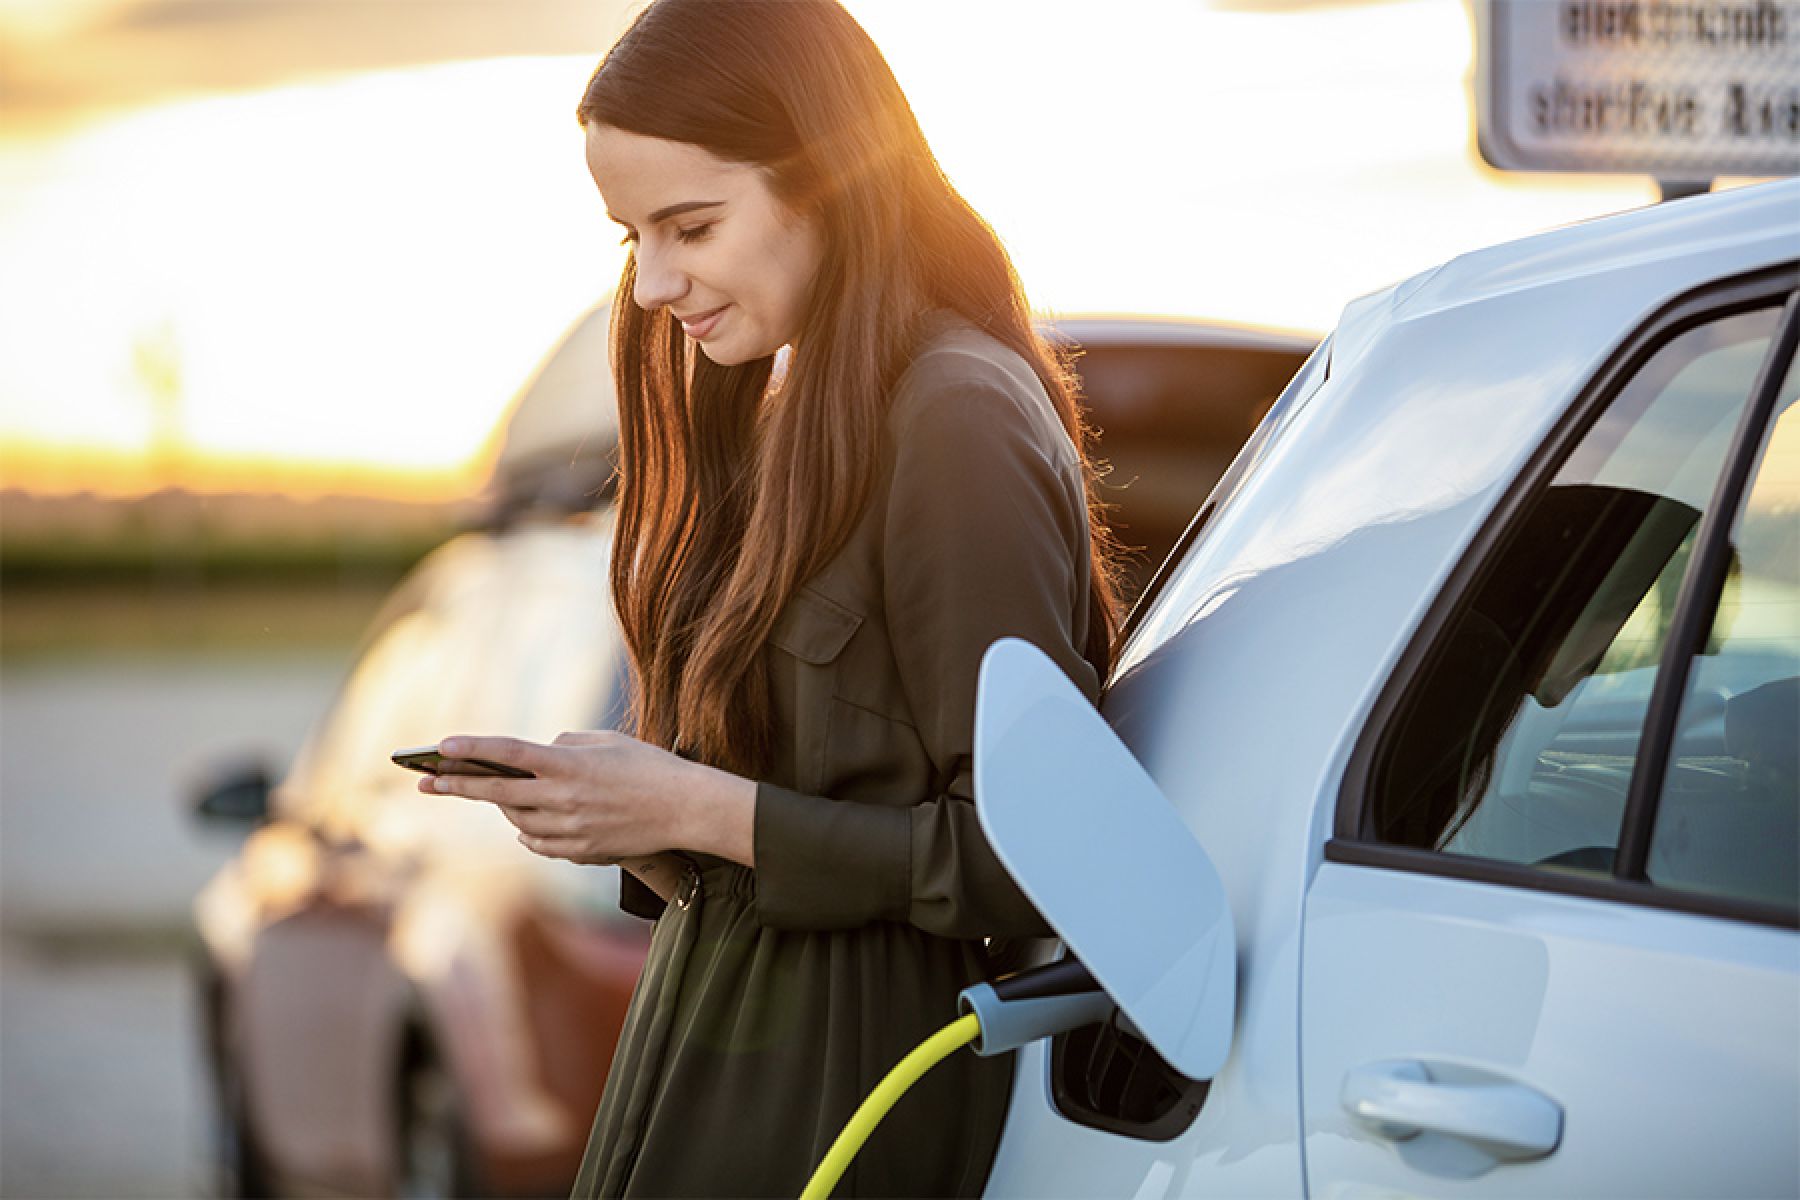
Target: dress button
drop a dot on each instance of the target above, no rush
(688, 888)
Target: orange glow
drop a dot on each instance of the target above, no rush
(55, 468)
(321, 286)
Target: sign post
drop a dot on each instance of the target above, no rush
(1683, 90)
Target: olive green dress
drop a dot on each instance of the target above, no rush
(773, 1000)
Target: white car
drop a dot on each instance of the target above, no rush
(1472, 700)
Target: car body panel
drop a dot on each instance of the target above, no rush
(1670, 1041)
(316, 1103)
(1245, 684)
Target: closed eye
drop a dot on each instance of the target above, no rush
(693, 233)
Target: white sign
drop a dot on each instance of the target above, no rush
(1678, 89)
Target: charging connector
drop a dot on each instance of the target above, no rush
(1038, 1003)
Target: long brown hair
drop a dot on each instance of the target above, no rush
(727, 504)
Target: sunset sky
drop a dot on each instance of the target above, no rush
(317, 244)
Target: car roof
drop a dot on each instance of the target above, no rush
(567, 399)
(561, 428)
(1647, 255)
(1657, 233)
(1440, 388)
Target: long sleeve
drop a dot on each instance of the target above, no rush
(984, 536)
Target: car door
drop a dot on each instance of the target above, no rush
(1552, 948)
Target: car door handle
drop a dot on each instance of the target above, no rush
(1401, 1098)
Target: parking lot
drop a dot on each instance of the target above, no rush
(102, 1092)
(104, 1095)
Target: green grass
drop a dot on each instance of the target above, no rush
(187, 561)
(270, 616)
(137, 591)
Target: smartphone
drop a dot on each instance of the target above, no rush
(427, 760)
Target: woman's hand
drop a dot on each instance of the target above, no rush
(604, 797)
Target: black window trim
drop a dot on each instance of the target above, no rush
(1415, 861)
(1351, 841)
(1701, 587)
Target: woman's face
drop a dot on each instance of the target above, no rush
(713, 243)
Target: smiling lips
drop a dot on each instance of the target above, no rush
(701, 324)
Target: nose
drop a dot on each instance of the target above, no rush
(658, 284)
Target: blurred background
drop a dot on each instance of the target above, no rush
(273, 273)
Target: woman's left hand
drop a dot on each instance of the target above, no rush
(599, 797)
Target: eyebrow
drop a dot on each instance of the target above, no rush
(673, 210)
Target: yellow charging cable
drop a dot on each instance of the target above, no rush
(868, 1114)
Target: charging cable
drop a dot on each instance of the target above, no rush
(996, 1017)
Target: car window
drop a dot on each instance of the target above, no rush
(1517, 743)
(1728, 821)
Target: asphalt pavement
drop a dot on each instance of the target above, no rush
(99, 1054)
(102, 1091)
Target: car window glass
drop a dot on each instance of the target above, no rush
(1728, 821)
(1518, 742)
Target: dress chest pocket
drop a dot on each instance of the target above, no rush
(809, 637)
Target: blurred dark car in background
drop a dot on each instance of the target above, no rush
(398, 998)
(1173, 401)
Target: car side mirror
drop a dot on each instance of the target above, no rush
(235, 793)
(1094, 845)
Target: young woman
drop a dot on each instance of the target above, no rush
(807, 571)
